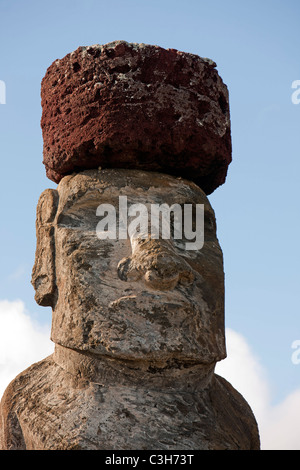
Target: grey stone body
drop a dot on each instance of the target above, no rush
(138, 325)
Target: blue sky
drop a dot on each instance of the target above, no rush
(256, 47)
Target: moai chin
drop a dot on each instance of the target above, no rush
(138, 321)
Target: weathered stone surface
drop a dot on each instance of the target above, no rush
(136, 106)
(170, 301)
(67, 402)
(138, 326)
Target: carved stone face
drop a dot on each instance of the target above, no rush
(128, 298)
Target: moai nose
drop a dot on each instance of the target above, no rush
(157, 263)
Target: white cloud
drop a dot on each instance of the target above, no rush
(243, 370)
(279, 425)
(22, 342)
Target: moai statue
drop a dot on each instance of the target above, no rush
(138, 314)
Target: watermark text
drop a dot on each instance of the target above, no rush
(296, 353)
(180, 222)
(2, 92)
(296, 93)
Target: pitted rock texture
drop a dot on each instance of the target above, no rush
(135, 298)
(138, 326)
(54, 405)
(136, 106)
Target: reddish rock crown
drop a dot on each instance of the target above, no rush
(136, 106)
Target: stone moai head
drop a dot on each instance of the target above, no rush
(127, 256)
(135, 297)
(148, 117)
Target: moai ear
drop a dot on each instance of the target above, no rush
(43, 273)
